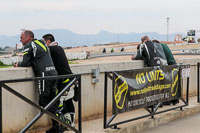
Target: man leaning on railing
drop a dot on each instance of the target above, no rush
(36, 54)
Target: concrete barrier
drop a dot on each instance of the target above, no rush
(76, 55)
(9, 60)
(17, 113)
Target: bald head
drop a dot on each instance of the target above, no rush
(145, 39)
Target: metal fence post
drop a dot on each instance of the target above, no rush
(152, 112)
(79, 106)
(187, 99)
(105, 100)
(1, 119)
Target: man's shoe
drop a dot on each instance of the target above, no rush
(68, 117)
(174, 102)
(167, 103)
(55, 129)
(65, 118)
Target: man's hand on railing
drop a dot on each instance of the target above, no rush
(132, 57)
(15, 64)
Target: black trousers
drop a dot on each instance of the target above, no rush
(47, 92)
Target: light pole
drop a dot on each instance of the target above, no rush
(167, 29)
(117, 37)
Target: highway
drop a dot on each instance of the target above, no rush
(190, 124)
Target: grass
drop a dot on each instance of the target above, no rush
(73, 62)
(3, 65)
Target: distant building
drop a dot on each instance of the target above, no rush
(9, 48)
(19, 46)
(193, 36)
(178, 38)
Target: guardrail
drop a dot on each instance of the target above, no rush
(153, 110)
(76, 79)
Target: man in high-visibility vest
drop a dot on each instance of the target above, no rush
(36, 54)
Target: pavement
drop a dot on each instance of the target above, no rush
(96, 125)
(182, 125)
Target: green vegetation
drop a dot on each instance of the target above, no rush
(72, 62)
(3, 65)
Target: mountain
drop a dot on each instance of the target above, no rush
(69, 38)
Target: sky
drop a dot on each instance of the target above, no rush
(92, 16)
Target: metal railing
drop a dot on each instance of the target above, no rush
(151, 112)
(76, 79)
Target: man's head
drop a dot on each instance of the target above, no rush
(26, 36)
(48, 38)
(156, 41)
(145, 39)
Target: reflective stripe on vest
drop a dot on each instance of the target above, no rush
(42, 45)
(25, 53)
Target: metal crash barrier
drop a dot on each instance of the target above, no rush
(146, 88)
(76, 80)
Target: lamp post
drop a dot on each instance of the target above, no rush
(117, 37)
(167, 29)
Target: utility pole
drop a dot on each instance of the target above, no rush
(117, 37)
(167, 29)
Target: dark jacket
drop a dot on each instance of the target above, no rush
(36, 54)
(152, 54)
(168, 54)
(60, 60)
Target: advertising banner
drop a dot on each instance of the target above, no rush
(140, 88)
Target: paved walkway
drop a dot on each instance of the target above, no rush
(96, 125)
(189, 124)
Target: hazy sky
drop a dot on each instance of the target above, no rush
(91, 16)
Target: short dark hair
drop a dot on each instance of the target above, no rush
(30, 33)
(49, 37)
(144, 38)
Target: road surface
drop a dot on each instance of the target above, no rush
(190, 124)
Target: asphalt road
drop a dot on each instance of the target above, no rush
(187, 52)
(111, 54)
(190, 124)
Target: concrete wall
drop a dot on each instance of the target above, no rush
(17, 113)
(10, 60)
(76, 55)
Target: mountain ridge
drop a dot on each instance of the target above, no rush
(68, 38)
